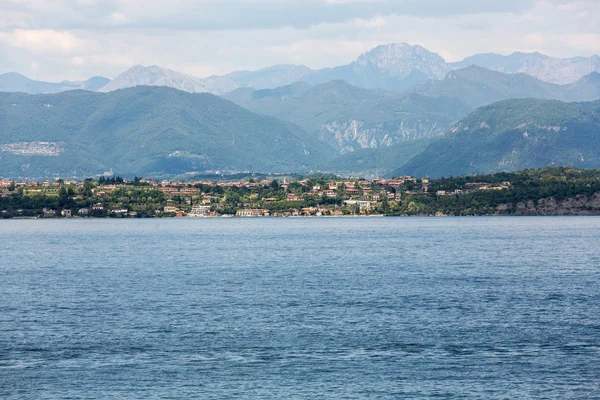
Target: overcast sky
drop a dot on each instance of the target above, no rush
(74, 39)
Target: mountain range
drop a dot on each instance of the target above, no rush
(549, 69)
(477, 86)
(394, 66)
(347, 118)
(14, 82)
(158, 131)
(139, 75)
(439, 120)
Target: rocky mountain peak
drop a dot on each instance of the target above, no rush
(400, 59)
(154, 75)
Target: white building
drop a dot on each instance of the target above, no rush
(199, 211)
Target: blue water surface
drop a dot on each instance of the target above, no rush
(314, 308)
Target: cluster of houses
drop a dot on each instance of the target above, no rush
(470, 186)
(32, 188)
(193, 199)
(294, 212)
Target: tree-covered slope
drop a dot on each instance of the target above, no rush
(143, 130)
(513, 135)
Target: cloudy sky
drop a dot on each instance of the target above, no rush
(74, 39)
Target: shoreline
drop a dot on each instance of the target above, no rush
(302, 217)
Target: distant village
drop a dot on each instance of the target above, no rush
(118, 198)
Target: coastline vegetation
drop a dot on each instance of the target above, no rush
(547, 191)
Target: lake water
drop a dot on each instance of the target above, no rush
(338, 308)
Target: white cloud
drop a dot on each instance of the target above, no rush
(74, 39)
(375, 22)
(119, 18)
(78, 61)
(43, 41)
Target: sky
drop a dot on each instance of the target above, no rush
(74, 39)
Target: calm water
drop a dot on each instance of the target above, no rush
(300, 308)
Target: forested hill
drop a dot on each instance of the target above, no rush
(143, 130)
(513, 135)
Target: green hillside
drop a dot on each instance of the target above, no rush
(513, 135)
(143, 130)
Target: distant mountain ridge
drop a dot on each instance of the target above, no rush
(479, 86)
(14, 82)
(549, 69)
(348, 118)
(395, 66)
(392, 67)
(268, 78)
(139, 75)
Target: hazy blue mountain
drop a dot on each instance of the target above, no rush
(246, 96)
(586, 88)
(144, 130)
(549, 69)
(395, 66)
(14, 82)
(271, 77)
(348, 118)
(392, 67)
(94, 84)
(513, 135)
(478, 86)
(398, 66)
(139, 75)
(268, 78)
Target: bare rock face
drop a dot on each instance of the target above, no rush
(352, 135)
(579, 205)
(394, 66)
(139, 75)
(401, 59)
(560, 71)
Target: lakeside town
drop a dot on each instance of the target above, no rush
(547, 191)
